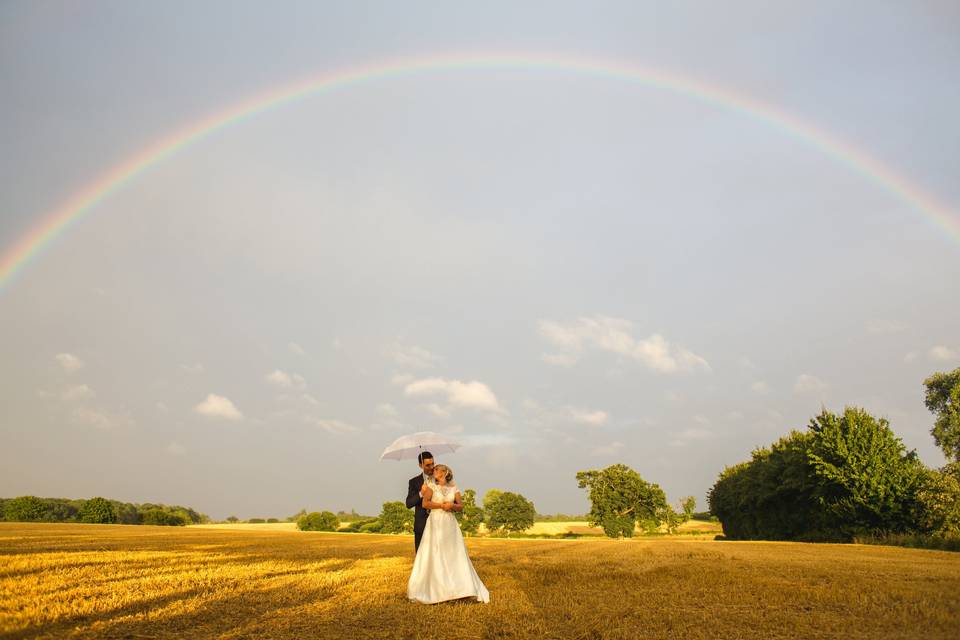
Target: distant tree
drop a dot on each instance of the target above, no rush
(619, 497)
(509, 512)
(233, 519)
(256, 520)
(126, 513)
(943, 399)
(24, 509)
(471, 517)
(271, 520)
(98, 511)
(297, 515)
(396, 518)
(318, 521)
(490, 497)
(689, 506)
(938, 501)
(158, 516)
(373, 526)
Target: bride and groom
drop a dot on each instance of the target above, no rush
(442, 569)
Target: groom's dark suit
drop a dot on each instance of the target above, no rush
(419, 514)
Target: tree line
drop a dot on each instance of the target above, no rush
(96, 510)
(849, 477)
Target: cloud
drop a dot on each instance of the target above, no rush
(593, 418)
(760, 387)
(436, 410)
(386, 409)
(331, 426)
(296, 349)
(175, 448)
(473, 394)
(560, 359)
(807, 383)
(194, 368)
(309, 399)
(883, 327)
(615, 335)
(78, 392)
(415, 356)
(285, 380)
(100, 420)
(401, 379)
(911, 356)
(218, 407)
(612, 449)
(683, 438)
(162, 407)
(69, 362)
(941, 352)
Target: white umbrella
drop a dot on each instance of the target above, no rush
(410, 446)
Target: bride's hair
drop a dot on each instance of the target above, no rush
(445, 469)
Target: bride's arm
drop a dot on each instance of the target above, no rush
(427, 504)
(457, 502)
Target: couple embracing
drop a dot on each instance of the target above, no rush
(442, 569)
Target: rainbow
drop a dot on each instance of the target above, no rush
(57, 222)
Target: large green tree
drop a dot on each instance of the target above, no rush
(318, 521)
(943, 399)
(98, 511)
(396, 518)
(509, 512)
(619, 497)
(471, 517)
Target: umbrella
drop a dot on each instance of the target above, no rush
(408, 447)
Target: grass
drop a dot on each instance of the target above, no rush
(114, 581)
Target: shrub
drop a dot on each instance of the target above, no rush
(159, 517)
(371, 527)
(471, 517)
(256, 520)
(318, 521)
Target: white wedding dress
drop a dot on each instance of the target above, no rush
(442, 569)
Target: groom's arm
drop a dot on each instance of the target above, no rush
(413, 495)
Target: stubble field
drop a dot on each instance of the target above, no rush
(63, 580)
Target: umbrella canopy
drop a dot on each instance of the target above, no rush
(410, 446)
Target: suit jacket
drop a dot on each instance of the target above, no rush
(416, 502)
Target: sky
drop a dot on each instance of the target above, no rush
(562, 270)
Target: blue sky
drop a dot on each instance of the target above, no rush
(563, 271)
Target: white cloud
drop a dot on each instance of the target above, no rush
(386, 409)
(285, 380)
(401, 379)
(69, 362)
(473, 394)
(162, 407)
(415, 356)
(747, 364)
(436, 410)
(941, 352)
(686, 436)
(560, 359)
(78, 392)
(760, 387)
(593, 418)
(100, 420)
(615, 335)
(296, 349)
(612, 449)
(331, 426)
(175, 448)
(882, 327)
(701, 420)
(194, 368)
(309, 399)
(218, 407)
(807, 383)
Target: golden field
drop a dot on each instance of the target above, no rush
(115, 581)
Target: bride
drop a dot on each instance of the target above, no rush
(442, 569)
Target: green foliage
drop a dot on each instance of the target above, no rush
(297, 515)
(490, 497)
(938, 501)
(232, 519)
(256, 520)
(374, 526)
(943, 399)
(508, 512)
(162, 517)
(25, 509)
(271, 520)
(847, 475)
(396, 518)
(619, 498)
(689, 506)
(471, 517)
(318, 521)
(356, 526)
(98, 511)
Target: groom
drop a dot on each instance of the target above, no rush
(415, 499)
